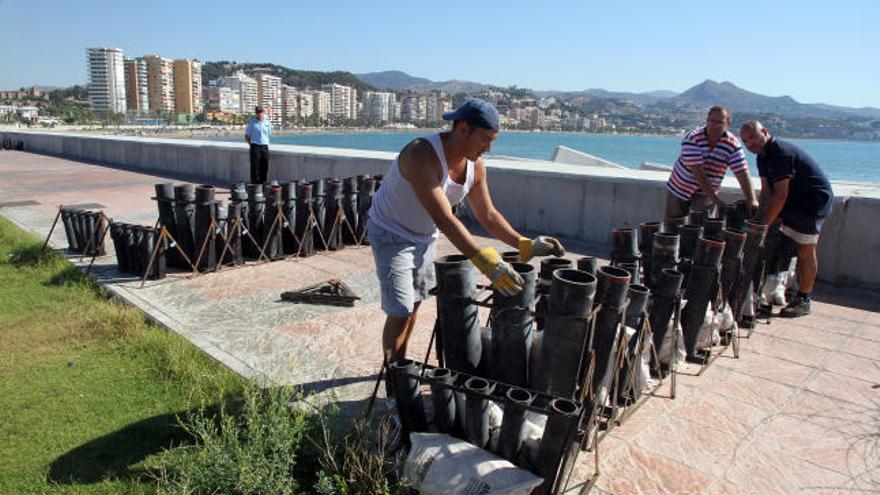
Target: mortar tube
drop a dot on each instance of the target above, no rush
(690, 237)
(220, 215)
(588, 264)
(633, 269)
(319, 206)
(238, 193)
(545, 276)
(333, 202)
(443, 399)
(625, 243)
(78, 221)
(709, 252)
(161, 270)
(564, 337)
(611, 294)
(713, 228)
(672, 225)
(755, 233)
(457, 313)
(69, 229)
(88, 222)
(511, 437)
(731, 260)
(646, 245)
(477, 411)
(137, 247)
(256, 224)
(696, 217)
(738, 220)
(184, 212)
(233, 235)
(147, 244)
(100, 231)
(699, 294)
(349, 209)
(408, 395)
(510, 256)
(130, 246)
(556, 441)
(119, 247)
(304, 203)
(205, 211)
(241, 197)
(274, 229)
(664, 254)
(168, 219)
(512, 325)
(365, 201)
(637, 295)
(663, 297)
(288, 196)
(91, 232)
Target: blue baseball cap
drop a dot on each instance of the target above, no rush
(476, 112)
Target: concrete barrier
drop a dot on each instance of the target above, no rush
(576, 201)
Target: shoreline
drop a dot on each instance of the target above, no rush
(228, 131)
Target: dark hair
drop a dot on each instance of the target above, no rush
(719, 108)
(471, 127)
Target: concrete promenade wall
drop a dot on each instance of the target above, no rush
(574, 201)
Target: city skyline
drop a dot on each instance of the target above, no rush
(811, 53)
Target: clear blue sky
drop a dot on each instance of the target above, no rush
(804, 49)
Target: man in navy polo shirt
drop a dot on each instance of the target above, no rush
(257, 135)
(796, 191)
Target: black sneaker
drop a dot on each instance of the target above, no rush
(747, 322)
(764, 311)
(800, 306)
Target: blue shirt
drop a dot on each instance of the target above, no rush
(259, 131)
(809, 191)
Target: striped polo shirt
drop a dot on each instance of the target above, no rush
(695, 152)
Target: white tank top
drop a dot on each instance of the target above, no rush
(396, 208)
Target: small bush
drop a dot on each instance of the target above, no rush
(363, 461)
(253, 452)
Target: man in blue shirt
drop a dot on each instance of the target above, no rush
(796, 191)
(257, 135)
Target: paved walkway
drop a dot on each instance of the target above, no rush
(799, 412)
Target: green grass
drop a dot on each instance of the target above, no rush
(90, 392)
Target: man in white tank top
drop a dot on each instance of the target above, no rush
(414, 204)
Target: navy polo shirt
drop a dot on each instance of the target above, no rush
(809, 191)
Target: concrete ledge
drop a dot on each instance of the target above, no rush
(576, 201)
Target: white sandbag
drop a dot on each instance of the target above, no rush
(496, 416)
(439, 464)
(533, 431)
(664, 353)
(643, 380)
(708, 334)
(773, 291)
(749, 304)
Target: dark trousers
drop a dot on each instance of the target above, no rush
(259, 163)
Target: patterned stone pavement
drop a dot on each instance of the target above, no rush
(798, 412)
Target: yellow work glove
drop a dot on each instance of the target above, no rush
(539, 246)
(502, 275)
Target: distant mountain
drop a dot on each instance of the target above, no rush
(710, 92)
(587, 94)
(396, 80)
(297, 78)
(661, 94)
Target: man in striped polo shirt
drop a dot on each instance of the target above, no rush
(706, 154)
